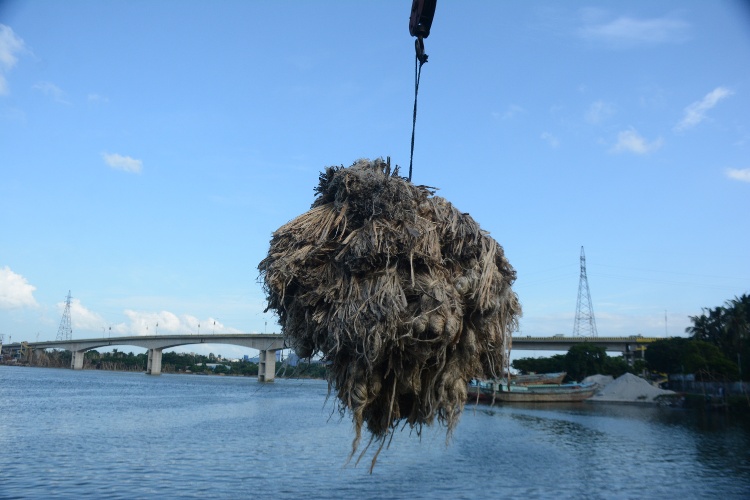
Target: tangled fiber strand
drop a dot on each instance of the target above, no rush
(405, 298)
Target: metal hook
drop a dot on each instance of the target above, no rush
(419, 47)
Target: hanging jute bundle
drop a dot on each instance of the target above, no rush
(404, 297)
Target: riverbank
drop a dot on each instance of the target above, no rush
(730, 403)
(301, 371)
(629, 389)
(171, 362)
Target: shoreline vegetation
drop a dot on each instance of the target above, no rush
(172, 362)
(211, 365)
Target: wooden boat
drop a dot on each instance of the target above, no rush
(538, 378)
(491, 391)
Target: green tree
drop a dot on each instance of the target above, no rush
(221, 369)
(200, 368)
(552, 364)
(728, 328)
(585, 359)
(666, 355)
(681, 355)
(247, 369)
(707, 358)
(618, 365)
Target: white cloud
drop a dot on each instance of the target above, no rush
(137, 322)
(15, 291)
(144, 323)
(512, 111)
(599, 111)
(631, 142)
(52, 91)
(98, 98)
(629, 32)
(739, 174)
(696, 112)
(82, 318)
(550, 139)
(10, 46)
(124, 163)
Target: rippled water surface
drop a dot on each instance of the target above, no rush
(94, 434)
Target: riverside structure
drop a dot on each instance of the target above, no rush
(269, 343)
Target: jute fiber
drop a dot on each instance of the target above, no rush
(403, 296)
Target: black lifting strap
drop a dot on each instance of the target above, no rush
(422, 12)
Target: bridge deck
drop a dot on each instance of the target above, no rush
(275, 341)
(268, 343)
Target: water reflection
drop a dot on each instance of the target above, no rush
(124, 435)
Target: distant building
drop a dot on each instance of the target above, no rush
(256, 359)
(214, 365)
(293, 359)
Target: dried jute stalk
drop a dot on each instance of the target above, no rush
(404, 297)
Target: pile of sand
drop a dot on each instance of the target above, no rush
(598, 379)
(629, 388)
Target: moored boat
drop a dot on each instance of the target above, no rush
(492, 391)
(538, 378)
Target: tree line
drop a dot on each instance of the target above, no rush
(174, 362)
(717, 348)
(579, 362)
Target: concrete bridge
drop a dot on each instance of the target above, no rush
(628, 346)
(267, 344)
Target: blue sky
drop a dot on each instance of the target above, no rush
(149, 149)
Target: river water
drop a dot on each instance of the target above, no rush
(94, 434)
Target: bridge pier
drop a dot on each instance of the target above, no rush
(631, 354)
(154, 362)
(76, 361)
(266, 365)
(28, 355)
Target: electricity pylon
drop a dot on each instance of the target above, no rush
(585, 324)
(65, 332)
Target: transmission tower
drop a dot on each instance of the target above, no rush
(585, 324)
(65, 332)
